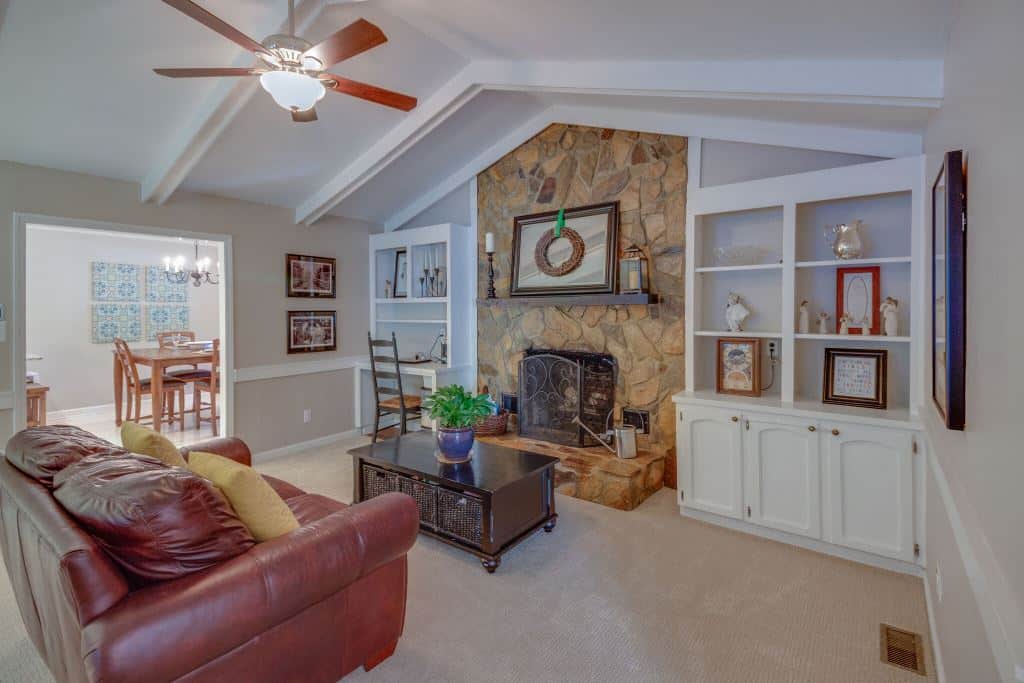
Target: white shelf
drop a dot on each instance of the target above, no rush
(809, 407)
(854, 337)
(416, 322)
(413, 300)
(853, 262)
(729, 269)
(727, 333)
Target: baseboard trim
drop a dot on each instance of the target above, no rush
(806, 543)
(933, 632)
(291, 449)
(308, 367)
(85, 412)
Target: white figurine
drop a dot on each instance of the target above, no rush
(823, 322)
(865, 329)
(805, 318)
(387, 289)
(890, 320)
(735, 313)
(844, 324)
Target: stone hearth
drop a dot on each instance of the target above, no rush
(595, 474)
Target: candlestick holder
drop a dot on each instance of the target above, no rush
(491, 294)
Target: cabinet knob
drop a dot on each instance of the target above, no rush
(735, 418)
(835, 432)
(812, 428)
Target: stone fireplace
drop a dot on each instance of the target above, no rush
(556, 387)
(565, 166)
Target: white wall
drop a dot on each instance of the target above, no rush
(984, 465)
(723, 162)
(452, 208)
(59, 324)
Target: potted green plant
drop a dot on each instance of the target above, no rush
(456, 411)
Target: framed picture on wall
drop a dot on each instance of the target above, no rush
(312, 331)
(577, 258)
(311, 276)
(856, 377)
(949, 291)
(739, 366)
(857, 296)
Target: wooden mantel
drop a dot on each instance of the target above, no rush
(574, 300)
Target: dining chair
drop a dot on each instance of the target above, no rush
(404, 405)
(170, 340)
(138, 387)
(211, 385)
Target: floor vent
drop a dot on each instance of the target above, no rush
(903, 649)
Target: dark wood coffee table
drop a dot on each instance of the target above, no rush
(484, 506)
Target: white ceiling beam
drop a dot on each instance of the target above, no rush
(904, 83)
(216, 113)
(820, 137)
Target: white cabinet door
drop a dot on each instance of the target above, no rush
(870, 486)
(710, 460)
(783, 474)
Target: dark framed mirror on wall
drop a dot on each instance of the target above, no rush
(949, 291)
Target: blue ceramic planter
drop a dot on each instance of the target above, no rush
(455, 444)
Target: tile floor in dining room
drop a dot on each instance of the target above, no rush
(101, 422)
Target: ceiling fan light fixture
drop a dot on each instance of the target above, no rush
(292, 90)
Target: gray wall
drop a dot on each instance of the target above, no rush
(268, 413)
(58, 298)
(452, 208)
(984, 466)
(723, 162)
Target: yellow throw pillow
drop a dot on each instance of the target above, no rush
(139, 439)
(256, 503)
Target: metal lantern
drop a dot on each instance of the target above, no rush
(633, 271)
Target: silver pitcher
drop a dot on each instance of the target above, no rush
(844, 239)
(624, 436)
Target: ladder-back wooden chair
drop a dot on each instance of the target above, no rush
(211, 385)
(170, 340)
(138, 387)
(390, 400)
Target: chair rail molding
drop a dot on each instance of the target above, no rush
(260, 372)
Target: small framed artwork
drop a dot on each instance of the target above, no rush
(856, 377)
(857, 297)
(949, 291)
(739, 366)
(311, 276)
(574, 255)
(400, 277)
(312, 331)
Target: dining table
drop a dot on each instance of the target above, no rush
(158, 360)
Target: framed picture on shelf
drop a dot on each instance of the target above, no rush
(949, 291)
(310, 331)
(311, 276)
(400, 277)
(856, 377)
(857, 296)
(739, 366)
(577, 258)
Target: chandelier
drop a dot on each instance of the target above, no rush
(175, 272)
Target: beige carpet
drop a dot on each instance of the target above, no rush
(615, 596)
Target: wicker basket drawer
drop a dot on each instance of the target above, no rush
(460, 515)
(425, 496)
(377, 482)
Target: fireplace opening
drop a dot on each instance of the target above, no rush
(557, 386)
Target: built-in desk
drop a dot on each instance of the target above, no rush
(433, 376)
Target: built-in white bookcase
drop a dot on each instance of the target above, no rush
(418, 317)
(786, 217)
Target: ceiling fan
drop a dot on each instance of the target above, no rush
(293, 70)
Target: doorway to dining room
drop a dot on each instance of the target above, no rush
(91, 288)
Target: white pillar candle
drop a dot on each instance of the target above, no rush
(489, 243)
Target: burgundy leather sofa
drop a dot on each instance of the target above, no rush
(309, 606)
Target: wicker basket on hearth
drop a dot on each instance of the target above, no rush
(492, 425)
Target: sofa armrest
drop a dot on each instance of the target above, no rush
(227, 446)
(166, 630)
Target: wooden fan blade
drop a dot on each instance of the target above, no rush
(363, 91)
(359, 36)
(201, 73)
(219, 25)
(307, 116)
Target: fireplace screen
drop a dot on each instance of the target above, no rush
(557, 386)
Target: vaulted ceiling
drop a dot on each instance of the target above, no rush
(77, 80)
